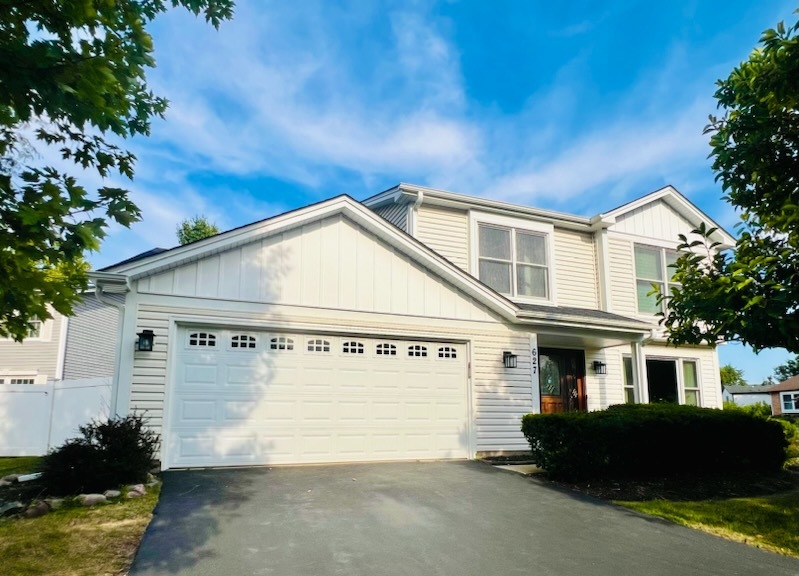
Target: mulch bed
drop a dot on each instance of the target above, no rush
(684, 487)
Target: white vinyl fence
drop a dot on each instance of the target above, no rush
(37, 417)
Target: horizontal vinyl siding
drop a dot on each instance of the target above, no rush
(446, 231)
(575, 269)
(499, 396)
(34, 355)
(397, 214)
(92, 339)
(621, 266)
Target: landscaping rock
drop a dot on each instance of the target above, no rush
(152, 480)
(138, 488)
(11, 478)
(55, 503)
(92, 499)
(134, 494)
(112, 494)
(3, 483)
(10, 508)
(37, 509)
(29, 477)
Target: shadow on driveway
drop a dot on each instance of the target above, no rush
(415, 518)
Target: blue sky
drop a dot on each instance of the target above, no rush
(578, 107)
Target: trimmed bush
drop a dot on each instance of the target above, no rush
(110, 453)
(639, 440)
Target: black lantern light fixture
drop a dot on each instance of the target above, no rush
(509, 359)
(145, 341)
(599, 367)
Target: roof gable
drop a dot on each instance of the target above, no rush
(343, 205)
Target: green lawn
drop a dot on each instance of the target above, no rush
(20, 465)
(770, 522)
(73, 541)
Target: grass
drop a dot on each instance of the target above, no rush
(21, 465)
(73, 541)
(770, 522)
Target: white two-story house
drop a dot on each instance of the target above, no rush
(416, 324)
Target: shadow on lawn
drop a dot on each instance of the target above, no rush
(188, 516)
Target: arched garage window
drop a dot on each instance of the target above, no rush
(202, 339)
(352, 347)
(281, 343)
(447, 352)
(417, 351)
(386, 350)
(242, 341)
(318, 345)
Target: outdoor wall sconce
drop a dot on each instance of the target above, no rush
(599, 367)
(145, 341)
(509, 359)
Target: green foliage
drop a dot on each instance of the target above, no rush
(731, 376)
(111, 453)
(758, 409)
(197, 228)
(787, 370)
(751, 295)
(72, 82)
(639, 440)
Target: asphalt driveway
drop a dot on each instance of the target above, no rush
(447, 518)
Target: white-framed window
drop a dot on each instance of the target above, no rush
(318, 345)
(447, 352)
(352, 347)
(34, 329)
(513, 256)
(692, 395)
(202, 340)
(22, 381)
(674, 380)
(652, 267)
(385, 349)
(242, 341)
(417, 351)
(789, 401)
(281, 343)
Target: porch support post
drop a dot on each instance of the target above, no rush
(639, 373)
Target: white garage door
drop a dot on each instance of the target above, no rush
(244, 397)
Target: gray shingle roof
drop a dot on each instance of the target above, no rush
(580, 312)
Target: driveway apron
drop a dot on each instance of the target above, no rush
(416, 518)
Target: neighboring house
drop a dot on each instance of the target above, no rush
(417, 324)
(61, 348)
(785, 397)
(747, 395)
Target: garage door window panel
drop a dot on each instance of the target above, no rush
(417, 351)
(385, 349)
(242, 342)
(318, 345)
(281, 343)
(447, 352)
(202, 340)
(352, 347)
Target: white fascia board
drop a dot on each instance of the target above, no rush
(389, 196)
(464, 202)
(680, 203)
(110, 281)
(350, 208)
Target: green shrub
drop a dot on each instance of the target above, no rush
(110, 453)
(653, 439)
(759, 409)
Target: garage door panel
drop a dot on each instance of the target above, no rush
(263, 406)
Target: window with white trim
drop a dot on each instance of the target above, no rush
(447, 352)
(281, 343)
(690, 383)
(629, 381)
(652, 267)
(34, 328)
(386, 350)
(202, 339)
(240, 341)
(417, 351)
(318, 345)
(789, 401)
(513, 261)
(21, 381)
(352, 347)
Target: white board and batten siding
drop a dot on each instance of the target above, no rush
(655, 220)
(333, 276)
(396, 213)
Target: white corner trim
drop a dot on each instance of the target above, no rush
(603, 269)
(62, 348)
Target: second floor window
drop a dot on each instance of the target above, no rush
(513, 261)
(652, 267)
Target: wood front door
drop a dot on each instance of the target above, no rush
(562, 380)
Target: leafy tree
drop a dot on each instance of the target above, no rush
(787, 370)
(72, 81)
(731, 376)
(193, 229)
(752, 294)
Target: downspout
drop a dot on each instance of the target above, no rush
(120, 306)
(414, 213)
